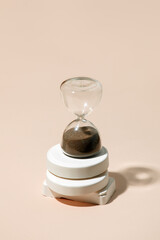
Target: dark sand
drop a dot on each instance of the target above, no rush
(83, 142)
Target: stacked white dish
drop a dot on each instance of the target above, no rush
(80, 179)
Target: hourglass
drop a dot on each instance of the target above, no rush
(81, 138)
(77, 169)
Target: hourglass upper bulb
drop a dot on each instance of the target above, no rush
(81, 94)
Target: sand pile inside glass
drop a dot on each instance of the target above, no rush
(81, 142)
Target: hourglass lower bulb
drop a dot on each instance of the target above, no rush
(81, 95)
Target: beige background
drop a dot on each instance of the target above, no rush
(45, 42)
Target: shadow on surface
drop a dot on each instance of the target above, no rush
(133, 176)
(140, 176)
(121, 184)
(75, 203)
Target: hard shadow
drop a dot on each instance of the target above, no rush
(140, 176)
(133, 176)
(121, 184)
(74, 203)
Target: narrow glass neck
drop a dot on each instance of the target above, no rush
(81, 118)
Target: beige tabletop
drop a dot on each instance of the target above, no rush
(43, 43)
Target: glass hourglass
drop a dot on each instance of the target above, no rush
(81, 138)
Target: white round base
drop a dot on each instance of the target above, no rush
(76, 168)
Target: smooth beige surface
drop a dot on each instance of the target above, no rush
(43, 43)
